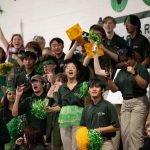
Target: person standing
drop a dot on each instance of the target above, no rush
(57, 45)
(136, 41)
(100, 115)
(25, 106)
(113, 42)
(131, 81)
(71, 106)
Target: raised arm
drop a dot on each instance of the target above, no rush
(86, 61)
(97, 68)
(15, 108)
(3, 39)
(71, 50)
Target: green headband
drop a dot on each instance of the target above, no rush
(50, 61)
(11, 88)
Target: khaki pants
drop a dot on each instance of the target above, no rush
(51, 147)
(116, 140)
(133, 117)
(107, 145)
(68, 138)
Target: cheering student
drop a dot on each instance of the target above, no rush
(132, 81)
(100, 115)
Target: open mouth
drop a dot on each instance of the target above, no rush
(35, 87)
(17, 45)
(70, 73)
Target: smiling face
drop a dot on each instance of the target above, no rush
(11, 96)
(71, 71)
(95, 91)
(56, 47)
(17, 41)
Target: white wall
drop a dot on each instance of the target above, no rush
(51, 18)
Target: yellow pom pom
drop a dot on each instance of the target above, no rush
(5, 68)
(89, 46)
(82, 138)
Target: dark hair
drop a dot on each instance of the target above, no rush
(109, 18)
(20, 36)
(59, 40)
(75, 62)
(97, 83)
(35, 46)
(126, 52)
(28, 54)
(3, 55)
(34, 136)
(5, 106)
(134, 20)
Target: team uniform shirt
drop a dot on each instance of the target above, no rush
(25, 107)
(114, 44)
(102, 114)
(128, 85)
(71, 106)
(141, 45)
(70, 97)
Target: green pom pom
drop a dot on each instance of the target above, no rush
(94, 37)
(84, 89)
(38, 108)
(95, 140)
(16, 126)
(5, 68)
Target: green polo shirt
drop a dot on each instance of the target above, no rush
(139, 44)
(61, 61)
(70, 97)
(25, 107)
(113, 45)
(102, 114)
(23, 78)
(127, 83)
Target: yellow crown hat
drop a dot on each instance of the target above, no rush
(75, 33)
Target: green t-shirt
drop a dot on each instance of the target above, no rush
(70, 97)
(127, 83)
(102, 114)
(25, 107)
